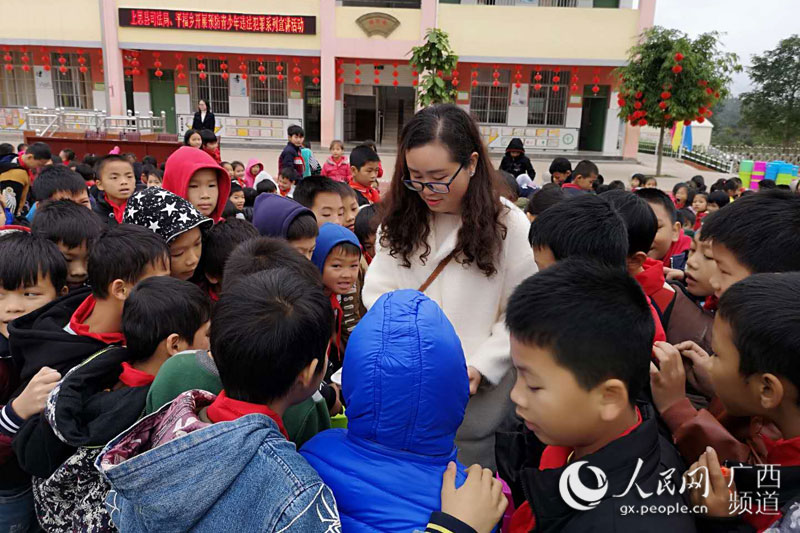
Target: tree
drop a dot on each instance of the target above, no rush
(670, 77)
(436, 60)
(773, 107)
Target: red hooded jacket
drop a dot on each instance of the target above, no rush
(182, 165)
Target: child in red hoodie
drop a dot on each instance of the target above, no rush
(670, 245)
(194, 175)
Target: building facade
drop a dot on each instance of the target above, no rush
(541, 70)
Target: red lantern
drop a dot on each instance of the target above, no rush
(357, 72)
(679, 57)
(182, 76)
(415, 83)
(702, 83)
(537, 86)
(262, 68)
(279, 67)
(595, 89)
(414, 73)
(677, 69)
(555, 88)
(224, 75)
(667, 116)
(134, 53)
(495, 83)
(134, 63)
(474, 83)
(537, 77)
(556, 79)
(202, 75)
(280, 77)
(701, 119)
(639, 94)
(574, 88)
(315, 71)
(395, 73)
(637, 105)
(518, 85)
(709, 91)
(297, 79)
(474, 74)
(643, 122)
(81, 60)
(157, 63)
(340, 80)
(26, 68)
(701, 110)
(9, 66)
(357, 81)
(596, 79)
(62, 69)
(7, 57)
(666, 95)
(83, 69)
(315, 80)
(127, 72)
(455, 82)
(621, 102)
(223, 66)
(662, 105)
(687, 122)
(62, 60)
(25, 58)
(47, 68)
(495, 74)
(262, 78)
(244, 75)
(201, 66)
(377, 81)
(395, 83)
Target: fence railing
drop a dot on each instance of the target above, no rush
(48, 121)
(790, 154)
(716, 160)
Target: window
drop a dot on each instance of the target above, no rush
(214, 90)
(545, 106)
(267, 99)
(73, 90)
(489, 104)
(17, 88)
(408, 4)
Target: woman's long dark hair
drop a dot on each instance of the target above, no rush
(208, 106)
(406, 220)
(188, 135)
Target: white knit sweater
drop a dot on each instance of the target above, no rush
(474, 303)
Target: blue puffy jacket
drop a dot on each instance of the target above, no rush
(405, 386)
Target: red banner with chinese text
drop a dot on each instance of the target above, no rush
(202, 20)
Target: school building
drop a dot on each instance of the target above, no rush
(541, 70)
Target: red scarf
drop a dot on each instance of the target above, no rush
(552, 457)
(76, 324)
(119, 210)
(337, 310)
(224, 409)
(372, 194)
(135, 378)
(570, 186)
(683, 243)
(284, 193)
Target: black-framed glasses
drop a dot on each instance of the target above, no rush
(439, 187)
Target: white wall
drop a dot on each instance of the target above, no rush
(141, 103)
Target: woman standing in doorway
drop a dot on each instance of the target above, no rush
(447, 232)
(203, 118)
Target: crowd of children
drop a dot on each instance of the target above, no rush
(185, 347)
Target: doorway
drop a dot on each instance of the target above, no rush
(311, 110)
(593, 119)
(129, 95)
(162, 97)
(360, 113)
(395, 108)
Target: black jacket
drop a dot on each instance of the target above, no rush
(618, 460)
(208, 124)
(517, 165)
(104, 210)
(38, 339)
(84, 412)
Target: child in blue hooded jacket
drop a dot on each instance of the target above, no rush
(406, 388)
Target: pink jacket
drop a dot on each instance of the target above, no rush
(337, 171)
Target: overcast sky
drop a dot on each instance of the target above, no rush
(750, 26)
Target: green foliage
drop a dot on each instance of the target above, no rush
(430, 58)
(649, 78)
(772, 109)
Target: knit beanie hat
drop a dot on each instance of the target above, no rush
(329, 236)
(164, 213)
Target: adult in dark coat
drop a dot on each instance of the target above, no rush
(203, 118)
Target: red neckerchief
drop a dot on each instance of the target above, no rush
(699, 220)
(135, 378)
(284, 193)
(76, 324)
(683, 243)
(337, 310)
(119, 210)
(224, 409)
(372, 194)
(651, 279)
(21, 163)
(570, 186)
(367, 257)
(552, 457)
(711, 303)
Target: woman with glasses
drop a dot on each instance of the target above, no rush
(447, 232)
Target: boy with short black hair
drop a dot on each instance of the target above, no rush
(292, 156)
(103, 396)
(72, 228)
(560, 170)
(176, 221)
(320, 195)
(265, 253)
(717, 200)
(16, 177)
(219, 242)
(578, 381)
(268, 336)
(266, 186)
(236, 196)
(210, 144)
(67, 156)
(582, 179)
(350, 201)
(32, 274)
(670, 245)
(57, 182)
(115, 178)
(755, 374)
(286, 181)
(276, 216)
(364, 164)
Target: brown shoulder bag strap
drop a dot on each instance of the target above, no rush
(436, 271)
